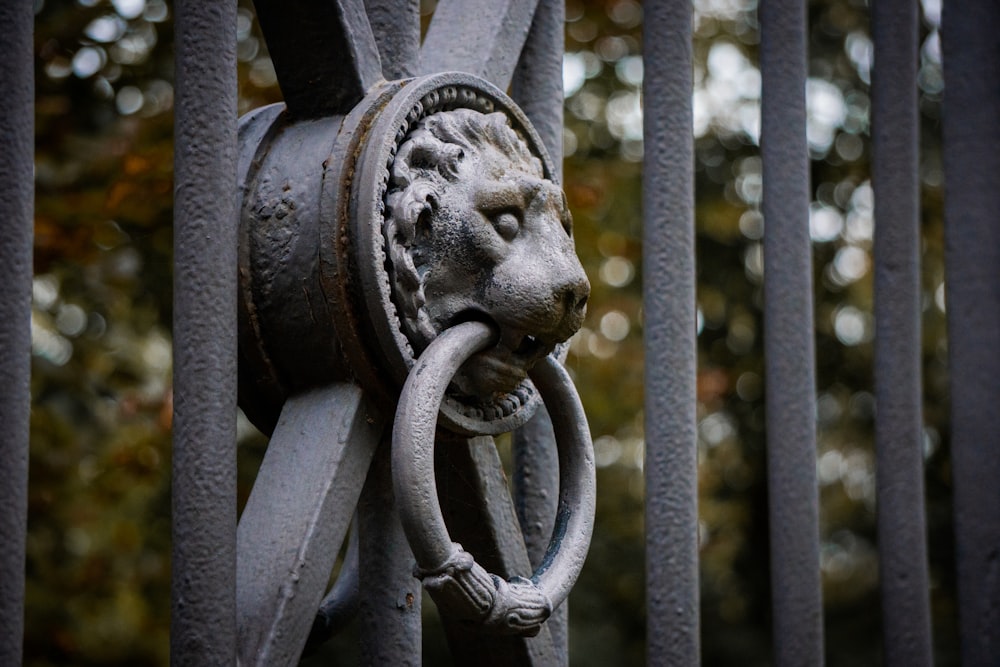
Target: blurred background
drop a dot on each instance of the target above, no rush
(99, 524)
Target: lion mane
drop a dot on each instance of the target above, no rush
(427, 161)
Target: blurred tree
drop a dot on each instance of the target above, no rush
(98, 549)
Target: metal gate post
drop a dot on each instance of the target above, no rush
(671, 465)
(390, 597)
(902, 535)
(971, 108)
(17, 141)
(537, 82)
(471, 480)
(789, 348)
(203, 627)
(537, 88)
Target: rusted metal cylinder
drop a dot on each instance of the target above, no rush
(288, 336)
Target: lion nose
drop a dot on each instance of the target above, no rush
(572, 295)
(575, 297)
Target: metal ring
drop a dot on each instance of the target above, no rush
(460, 586)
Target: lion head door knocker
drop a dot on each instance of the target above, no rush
(420, 246)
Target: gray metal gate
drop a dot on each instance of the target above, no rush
(328, 56)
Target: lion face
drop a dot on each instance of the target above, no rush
(490, 239)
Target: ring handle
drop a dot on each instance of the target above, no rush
(460, 586)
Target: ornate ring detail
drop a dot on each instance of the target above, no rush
(470, 593)
(460, 586)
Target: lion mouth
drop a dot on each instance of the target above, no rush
(520, 349)
(501, 368)
(530, 349)
(506, 365)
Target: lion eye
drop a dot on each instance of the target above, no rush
(507, 224)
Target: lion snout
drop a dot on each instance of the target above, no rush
(574, 298)
(558, 315)
(571, 298)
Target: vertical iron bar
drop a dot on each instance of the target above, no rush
(671, 464)
(472, 489)
(17, 140)
(537, 84)
(396, 26)
(390, 594)
(789, 347)
(902, 545)
(972, 255)
(537, 88)
(203, 625)
(536, 495)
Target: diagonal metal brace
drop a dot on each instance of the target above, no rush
(296, 518)
(482, 37)
(323, 52)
